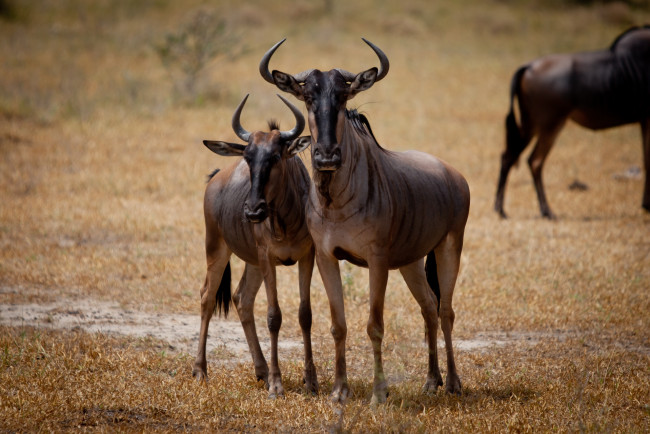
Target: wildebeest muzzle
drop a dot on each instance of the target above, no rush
(326, 159)
(256, 213)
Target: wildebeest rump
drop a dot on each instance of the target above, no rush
(255, 209)
(378, 209)
(599, 89)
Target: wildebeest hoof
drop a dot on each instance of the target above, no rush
(378, 397)
(275, 387)
(310, 380)
(340, 394)
(200, 375)
(549, 215)
(379, 393)
(453, 385)
(432, 384)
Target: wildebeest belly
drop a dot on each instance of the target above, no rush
(601, 116)
(361, 243)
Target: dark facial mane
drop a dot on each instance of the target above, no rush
(630, 30)
(361, 124)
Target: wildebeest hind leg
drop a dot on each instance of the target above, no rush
(645, 131)
(536, 160)
(217, 262)
(515, 145)
(244, 299)
(448, 262)
(416, 280)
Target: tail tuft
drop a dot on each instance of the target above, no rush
(224, 295)
(431, 270)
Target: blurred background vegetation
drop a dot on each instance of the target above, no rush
(71, 58)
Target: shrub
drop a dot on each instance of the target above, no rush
(185, 54)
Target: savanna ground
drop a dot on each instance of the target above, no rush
(101, 180)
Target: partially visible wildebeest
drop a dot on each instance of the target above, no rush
(378, 209)
(599, 89)
(256, 209)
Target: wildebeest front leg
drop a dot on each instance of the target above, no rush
(378, 279)
(448, 262)
(244, 299)
(645, 131)
(330, 273)
(274, 322)
(305, 270)
(416, 280)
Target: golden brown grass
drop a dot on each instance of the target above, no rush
(101, 184)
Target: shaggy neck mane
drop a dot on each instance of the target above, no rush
(360, 124)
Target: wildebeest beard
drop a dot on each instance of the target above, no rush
(323, 180)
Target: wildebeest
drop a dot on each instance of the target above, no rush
(256, 209)
(378, 209)
(599, 89)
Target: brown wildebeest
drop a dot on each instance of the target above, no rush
(256, 209)
(378, 209)
(598, 90)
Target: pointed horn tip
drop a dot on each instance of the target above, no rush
(283, 98)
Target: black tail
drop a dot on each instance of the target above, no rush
(515, 142)
(224, 296)
(431, 270)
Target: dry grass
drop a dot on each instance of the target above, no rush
(101, 184)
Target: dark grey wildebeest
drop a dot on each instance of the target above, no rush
(256, 209)
(599, 89)
(378, 209)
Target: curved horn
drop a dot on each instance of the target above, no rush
(300, 121)
(264, 63)
(383, 60)
(236, 124)
(264, 66)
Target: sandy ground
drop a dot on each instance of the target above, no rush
(181, 331)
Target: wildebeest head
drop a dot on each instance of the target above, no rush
(325, 94)
(264, 154)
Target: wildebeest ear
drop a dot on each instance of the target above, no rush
(224, 148)
(298, 145)
(363, 81)
(287, 83)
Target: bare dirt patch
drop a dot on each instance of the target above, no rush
(181, 331)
